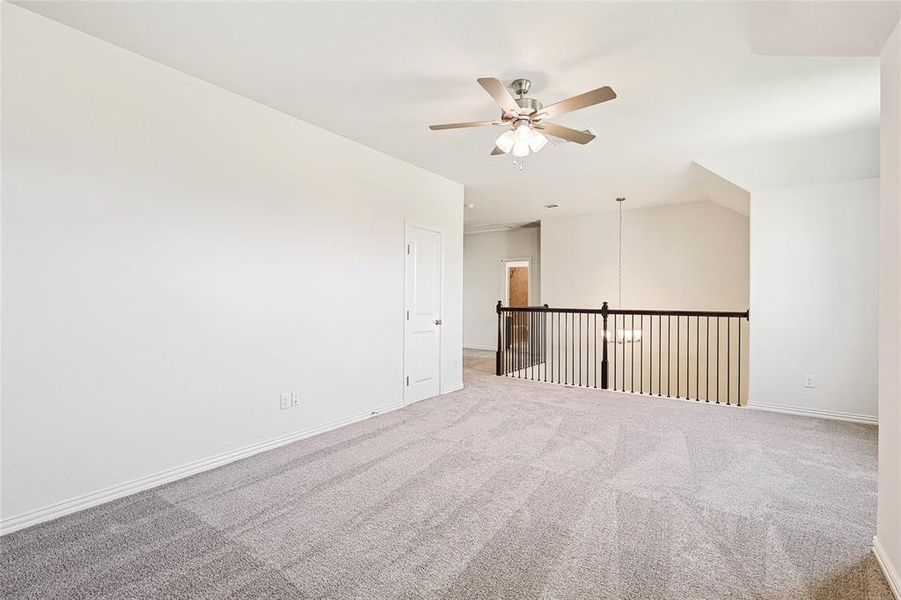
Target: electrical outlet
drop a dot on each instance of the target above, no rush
(295, 398)
(285, 401)
(810, 381)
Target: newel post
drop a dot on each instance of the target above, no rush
(497, 358)
(604, 383)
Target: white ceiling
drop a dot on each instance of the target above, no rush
(694, 80)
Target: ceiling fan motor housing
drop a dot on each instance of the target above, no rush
(521, 87)
(529, 105)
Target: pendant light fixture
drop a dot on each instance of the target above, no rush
(623, 336)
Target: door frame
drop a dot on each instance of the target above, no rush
(505, 276)
(407, 225)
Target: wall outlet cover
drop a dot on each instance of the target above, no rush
(810, 381)
(284, 401)
(295, 398)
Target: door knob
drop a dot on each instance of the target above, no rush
(437, 321)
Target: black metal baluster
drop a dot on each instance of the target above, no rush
(544, 357)
(697, 358)
(530, 335)
(511, 342)
(687, 358)
(659, 355)
(614, 352)
(632, 343)
(580, 350)
(669, 354)
(651, 356)
(641, 356)
(565, 348)
(522, 335)
(519, 354)
(506, 345)
(738, 401)
(548, 342)
(575, 358)
(707, 361)
(527, 356)
(535, 354)
(512, 318)
(559, 360)
(594, 330)
(729, 361)
(516, 335)
(572, 328)
(532, 345)
(587, 351)
(519, 338)
(717, 360)
(527, 359)
(678, 353)
(508, 327)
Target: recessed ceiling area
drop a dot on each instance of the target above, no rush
(693, 80)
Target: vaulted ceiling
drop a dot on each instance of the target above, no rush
(698, 83)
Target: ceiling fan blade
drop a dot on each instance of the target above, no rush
(463, 125)
(559, 131)
(497, 151)
(602, 94)
(500, 94)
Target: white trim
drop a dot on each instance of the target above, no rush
(479, 347)
(59, 509)
(815, 412)
(452, 389)
(891, 575)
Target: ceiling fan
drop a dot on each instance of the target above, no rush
(525, 118)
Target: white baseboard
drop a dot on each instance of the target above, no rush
(891, 575)
(479, 347)
(452, 388)
(59, 509)
(815, 412)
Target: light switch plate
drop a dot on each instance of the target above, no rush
(295, 398)
(285, 401)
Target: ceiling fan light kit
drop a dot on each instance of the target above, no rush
(525, 118)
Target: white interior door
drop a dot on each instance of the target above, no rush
(422, 334)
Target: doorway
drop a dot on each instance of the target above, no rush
(517, 282)
(518, 293)
(422, 321)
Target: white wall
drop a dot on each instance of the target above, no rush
(888, 537)
(484, 283)
(814, 288)
(683, 256)
(175, 256)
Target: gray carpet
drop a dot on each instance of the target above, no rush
(507, 489)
